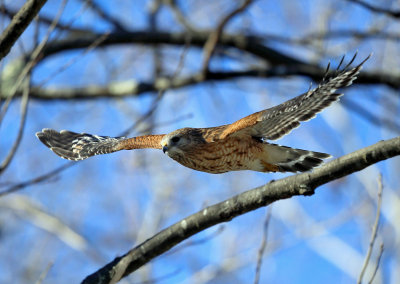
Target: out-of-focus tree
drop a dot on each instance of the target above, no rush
(137, 67)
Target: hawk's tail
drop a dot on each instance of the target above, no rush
(78, 146)
(293, 160)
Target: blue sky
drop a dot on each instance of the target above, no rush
(113, 202)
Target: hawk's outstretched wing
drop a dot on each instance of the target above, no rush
(278, 121)
(78, 146)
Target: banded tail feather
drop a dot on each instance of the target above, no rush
(294, 160)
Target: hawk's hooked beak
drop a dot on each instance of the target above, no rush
(164, 146)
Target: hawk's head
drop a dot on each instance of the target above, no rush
(181, 142)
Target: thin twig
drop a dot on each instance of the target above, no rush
(376, 9)
(25, 77)
(36, 180)
(74, 59)
(159, 279)
(44, 273)
(179, 16)
(156, 52)
(307, 39)
(263, 246)
(369, 115)
(104, 15)
(182, 57)
(378, 261)
(9, 12)
(170, 122)
(211, 44)
(32, 62)
(192, 243)
(160, 95)
(145, 116)
(33, 212)
(24, 110)
(374, 230)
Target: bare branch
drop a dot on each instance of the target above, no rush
(24, 111)
(25, 77)
(376, 9)
(33, 212)
(191, 243)
(214, 37)
(378, 261)
(157, 100)
(306, 39)
(370, 116)
(133, 87)
(9, 12)
(282, 65)
(251, 44)
(374, 231)
(262, 247)
(104, 15)
(31, 63)
(18, 25)
(179, 15)
(36, 180)
(74, 59)
(301, 184)
(44, 273)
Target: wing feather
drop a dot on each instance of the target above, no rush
(275, 122)
(78, 146)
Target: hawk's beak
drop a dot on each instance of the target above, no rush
(164, 149)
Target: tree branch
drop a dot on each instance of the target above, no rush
(309, 38)
(251, 44)
(301, 184)
(42, 19)
(376, 9)
(105, 15)
(374, 231)
(280, 65)
(133, 87)
(212, 41)
(39, 179)
(18, 25)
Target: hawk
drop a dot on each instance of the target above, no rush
(242, 145)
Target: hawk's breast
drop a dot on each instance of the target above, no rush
(230, 154)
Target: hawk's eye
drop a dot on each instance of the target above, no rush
(175, 139)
